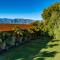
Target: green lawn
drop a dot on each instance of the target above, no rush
(38, 49)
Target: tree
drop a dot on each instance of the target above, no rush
(48, 11)
(51, 16)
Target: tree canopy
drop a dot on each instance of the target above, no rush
(48, 11)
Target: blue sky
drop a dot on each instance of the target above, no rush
(28, 9)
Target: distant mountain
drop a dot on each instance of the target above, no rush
(15, 21)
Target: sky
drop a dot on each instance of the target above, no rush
(27, 9)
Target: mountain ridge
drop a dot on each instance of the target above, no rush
(15, 21)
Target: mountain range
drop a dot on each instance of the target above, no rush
(15, 21)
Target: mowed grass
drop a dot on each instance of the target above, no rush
(38, 49)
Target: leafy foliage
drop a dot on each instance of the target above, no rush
(48, 11)
(51, 17)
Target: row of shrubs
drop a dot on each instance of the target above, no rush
(17, 37)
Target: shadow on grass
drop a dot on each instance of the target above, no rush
(40, 59)
(28, 51)
(55, 40)
(48, 54)
(52, 45)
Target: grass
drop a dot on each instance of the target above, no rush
(38, 49)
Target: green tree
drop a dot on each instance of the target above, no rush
(48, 11)
(51, 16)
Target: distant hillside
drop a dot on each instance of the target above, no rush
(15, 21)
(10, 27)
